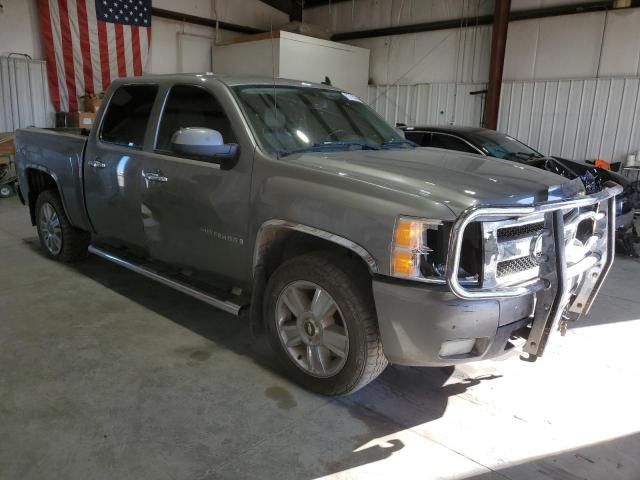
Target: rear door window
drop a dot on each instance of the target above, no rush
(127, 116)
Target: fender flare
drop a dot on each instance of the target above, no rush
(54, 177)
(260, 247)
(262, 241)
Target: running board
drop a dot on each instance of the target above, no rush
(222, 304)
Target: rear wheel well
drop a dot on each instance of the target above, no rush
(38, 182)
(279, 244)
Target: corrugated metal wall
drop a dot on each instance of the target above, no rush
(428, 104)
(586, 45)
(578, 119)
(24, 94)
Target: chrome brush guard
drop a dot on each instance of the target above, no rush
(542, 256)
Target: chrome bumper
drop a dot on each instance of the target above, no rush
(557, 283)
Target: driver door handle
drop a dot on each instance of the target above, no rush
(96, 164)
(155, 177)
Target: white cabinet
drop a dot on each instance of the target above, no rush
(298, 57)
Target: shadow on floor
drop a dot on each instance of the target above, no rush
(618, 300)
(380, 407)
(614, 459)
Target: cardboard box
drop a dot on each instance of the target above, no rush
(7, 146)
(82, 119)
(91, 102)
(86, 119)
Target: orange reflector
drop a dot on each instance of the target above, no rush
(402, 263)
(603, 164)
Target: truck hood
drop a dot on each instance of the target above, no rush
(455, 179)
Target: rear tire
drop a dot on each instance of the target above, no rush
(59, 239)
(331, 344)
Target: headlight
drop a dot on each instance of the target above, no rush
(419, 251)
(411, 244)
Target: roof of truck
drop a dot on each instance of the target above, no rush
(229, 80)
(445, 129)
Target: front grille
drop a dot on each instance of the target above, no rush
(516, 265)
(529, 229)
(519, 231)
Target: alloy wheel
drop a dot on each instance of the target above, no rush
(312, 329)
(50, 229)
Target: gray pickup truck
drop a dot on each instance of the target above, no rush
(298, 205)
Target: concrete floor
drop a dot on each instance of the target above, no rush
(107, 375)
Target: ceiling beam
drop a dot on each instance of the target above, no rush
(282, 5)
(293, 8)
(207, 22)
(572, 9)
(322, 3)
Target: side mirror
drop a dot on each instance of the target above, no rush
(205, 144)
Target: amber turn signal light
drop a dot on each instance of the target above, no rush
(408, 233)
(403, 262)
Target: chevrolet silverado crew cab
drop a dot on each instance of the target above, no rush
(296, 204)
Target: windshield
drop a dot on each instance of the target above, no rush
(499, 145)
(294, 119)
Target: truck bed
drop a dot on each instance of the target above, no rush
(60, 153)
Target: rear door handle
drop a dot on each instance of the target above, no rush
(96, 164)
(155, 177)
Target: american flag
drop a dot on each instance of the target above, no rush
(88, 43)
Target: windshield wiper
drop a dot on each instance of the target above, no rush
(320, 147)
(398, 143)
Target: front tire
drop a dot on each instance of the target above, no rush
(59, 239)
(322, 324)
